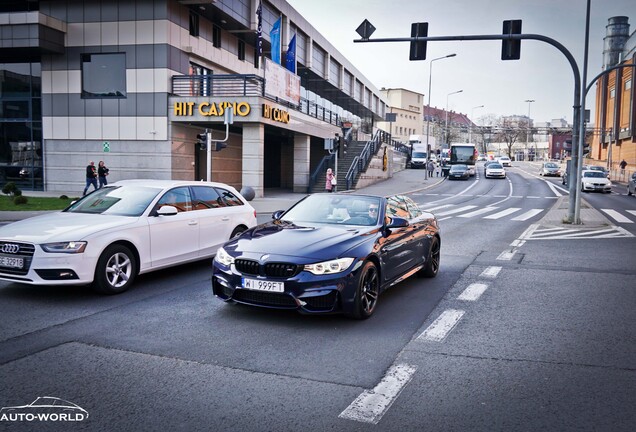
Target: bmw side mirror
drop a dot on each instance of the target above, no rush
(397, 222)
(278, 214)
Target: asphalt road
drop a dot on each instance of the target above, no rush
(527, 327)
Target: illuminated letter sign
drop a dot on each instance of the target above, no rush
(275, 114)
(211, 109)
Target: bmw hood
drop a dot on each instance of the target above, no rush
(315, 242)
(61, 226)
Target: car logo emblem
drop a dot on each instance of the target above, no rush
(264, 257)
(10, 248)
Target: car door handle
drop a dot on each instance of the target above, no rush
(192, 222)
(226, 218)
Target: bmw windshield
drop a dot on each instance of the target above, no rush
(335, 209)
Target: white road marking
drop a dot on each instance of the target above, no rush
(527, 215)
(617, 216)
(491, 272)
(503, 213)
(444, 323)
(370, 405)
(456, 210)
(438, 207)
(473, 292)
(528, 232)
(506, 255)
(478, 212)
(631, 212)
(554, 188)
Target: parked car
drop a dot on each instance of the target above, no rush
(127, 228)
(495, 170)
(329, 253)
(593, 180)
(631, 185)
(550, 169)
(459, 171)
(504, 161)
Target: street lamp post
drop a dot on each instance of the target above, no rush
(528, 130)
(428, 117)
(470, 126)
(446, 122)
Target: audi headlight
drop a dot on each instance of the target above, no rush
(64, 247)
(329, 267)
(223, 257)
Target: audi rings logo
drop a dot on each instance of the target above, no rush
(10, 248)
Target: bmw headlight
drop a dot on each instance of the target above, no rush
(64, 247)
(223, 257)
(329, 267)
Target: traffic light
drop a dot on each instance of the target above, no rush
(202, 140)
(511, 49)
(218, 146)
(418, 49)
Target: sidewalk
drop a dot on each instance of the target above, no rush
(402, 182)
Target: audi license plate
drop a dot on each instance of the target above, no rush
(11, 262)
(263, 285)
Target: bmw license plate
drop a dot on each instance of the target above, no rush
(263, 285)
(11, 262)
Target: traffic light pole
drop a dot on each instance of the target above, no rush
(572, 186)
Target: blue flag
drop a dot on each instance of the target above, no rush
(290, 57)
(274, 36)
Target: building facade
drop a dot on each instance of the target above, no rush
(407, 106)
(614, 139)
(133, 82)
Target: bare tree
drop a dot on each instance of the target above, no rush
(486, 132)
(510, 132)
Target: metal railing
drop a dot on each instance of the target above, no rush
(361, 162)
(216, 85)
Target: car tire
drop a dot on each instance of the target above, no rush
(628, 191)
(237, 231)
(367, 291)
(116, 270)
(431, 268)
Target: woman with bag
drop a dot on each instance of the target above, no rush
(330, 184)
(102, 172)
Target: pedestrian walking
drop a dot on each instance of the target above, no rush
(430, 167)
(330, 181)
(91, 177)
(102, 172)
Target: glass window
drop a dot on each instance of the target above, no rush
(194, 24)
(628, 84)
(104, 75)
(216, 36)
(229, 198)
(612, 93)
(178, 198)
(241, 50)
(396, 206)
(204, 197)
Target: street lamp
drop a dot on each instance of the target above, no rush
(446, 122)
(470, 126)
(428, 117)
(528, 131)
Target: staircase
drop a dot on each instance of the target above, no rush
(344, 163)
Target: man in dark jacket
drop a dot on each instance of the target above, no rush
(91, 176)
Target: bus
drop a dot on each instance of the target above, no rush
(464, 154)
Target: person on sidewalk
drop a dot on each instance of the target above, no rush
(330, 182)
(102, 172)
(430, 166)
(91, 177)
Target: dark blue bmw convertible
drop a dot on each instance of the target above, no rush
(329, 253)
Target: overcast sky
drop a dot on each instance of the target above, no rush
(542, 74)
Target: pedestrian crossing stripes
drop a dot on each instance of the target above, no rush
(447, 211)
